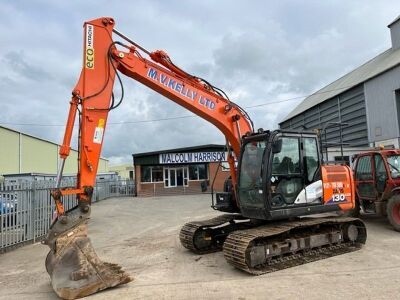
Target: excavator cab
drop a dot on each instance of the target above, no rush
(280, 176)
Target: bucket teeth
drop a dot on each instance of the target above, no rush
(75, 269)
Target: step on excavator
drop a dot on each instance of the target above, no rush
(277, 181)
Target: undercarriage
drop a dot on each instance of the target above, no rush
(268, 247)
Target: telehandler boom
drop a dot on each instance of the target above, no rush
(279, 177)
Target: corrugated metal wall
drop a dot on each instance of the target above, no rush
(382, 108)
(348, 107)
(37, 155)
(21, 153)
(9, 152)
(395, 35)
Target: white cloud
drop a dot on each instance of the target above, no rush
(266, 51)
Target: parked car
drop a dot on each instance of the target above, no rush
(7, 208)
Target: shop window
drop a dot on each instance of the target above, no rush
(198, 172)
(151, 174)
(146, 174)
(193, 172)
(202, 172)
(157, 174)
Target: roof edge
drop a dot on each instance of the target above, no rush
(346, 88)
(394, 21)
(40, 139)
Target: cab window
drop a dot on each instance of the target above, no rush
(251, 166)
(380, 173)
(364, 168)
(287, 161)
(311, 159)
(394, 165)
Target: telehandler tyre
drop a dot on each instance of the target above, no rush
(393, 211)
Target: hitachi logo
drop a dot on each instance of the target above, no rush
(89, 36)
(89, 58)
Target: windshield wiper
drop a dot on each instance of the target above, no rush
(394, 167)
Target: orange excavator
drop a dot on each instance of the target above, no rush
(279, 178)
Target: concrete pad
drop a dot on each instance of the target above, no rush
(141, 234)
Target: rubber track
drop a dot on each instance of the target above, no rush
(189, 230)
(237, 243)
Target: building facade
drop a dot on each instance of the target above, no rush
(124, 171)
(22, 153)
(366, 102)
(181, 171)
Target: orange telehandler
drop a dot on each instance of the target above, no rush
(279, 178)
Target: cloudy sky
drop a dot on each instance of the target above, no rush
(256, 51)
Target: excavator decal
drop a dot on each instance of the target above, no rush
(180, 88)
(172, 84)
(89, 47)
(99, 132)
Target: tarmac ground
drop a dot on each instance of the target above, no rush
(141, 234)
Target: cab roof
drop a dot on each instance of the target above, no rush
(383, 152)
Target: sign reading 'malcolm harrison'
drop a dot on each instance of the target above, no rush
(196, 157)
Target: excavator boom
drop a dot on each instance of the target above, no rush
(72, 263)
(94, 94)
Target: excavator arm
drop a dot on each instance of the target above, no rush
(93, 94)
(73, 265)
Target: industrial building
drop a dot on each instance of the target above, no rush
(23, 153)
(124, 171)
(365, 101)
(188, 170)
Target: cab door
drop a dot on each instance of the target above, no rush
(381, 175)
(365, 178)
(287, 176)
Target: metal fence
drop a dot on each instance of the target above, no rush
(26, 208)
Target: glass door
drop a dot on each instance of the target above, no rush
(365, 183)
(176, 176)
(172, 177)
(179, 176)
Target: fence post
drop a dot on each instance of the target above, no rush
(33, 210)
(94, 196)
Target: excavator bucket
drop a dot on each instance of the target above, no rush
(74, 267)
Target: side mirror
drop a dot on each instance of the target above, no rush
(277, 146)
